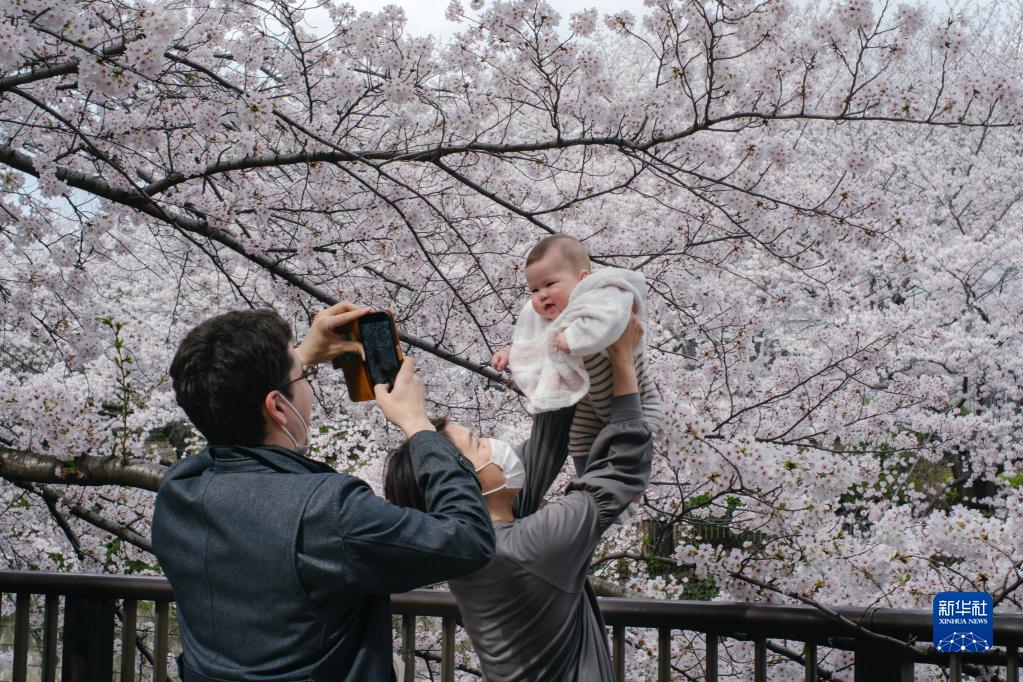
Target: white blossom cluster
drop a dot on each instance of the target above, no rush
(825, 199)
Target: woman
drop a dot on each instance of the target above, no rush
(530, 612)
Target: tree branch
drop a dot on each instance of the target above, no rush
(31, 467)
(147, 205)
(117, 530)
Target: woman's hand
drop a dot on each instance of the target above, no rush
(322, 343)
(622, 354)
(630, 339)
(404, 405)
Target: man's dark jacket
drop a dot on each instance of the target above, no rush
(282, 568)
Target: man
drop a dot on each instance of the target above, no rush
(530, 613)
(282, 567)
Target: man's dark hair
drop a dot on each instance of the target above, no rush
(223, 370)
(400, 486)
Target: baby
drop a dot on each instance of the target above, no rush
(558, 353)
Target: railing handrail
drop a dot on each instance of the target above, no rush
(746, 618)
(103, 585)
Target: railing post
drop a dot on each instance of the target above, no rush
(51, 621)
(810, 662)
(160, 646)
(881, 662)
(23, 604)
(447, 650)
(618, 652)
(760, 659)
(712, 657)
(408, 647)
(1012, 664)
(88, 640)
(128, 634)
(955, 668)
(663, 655)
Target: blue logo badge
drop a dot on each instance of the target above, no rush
(963, 622)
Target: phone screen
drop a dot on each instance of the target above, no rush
(378, 343)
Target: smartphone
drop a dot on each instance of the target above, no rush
(379, 336)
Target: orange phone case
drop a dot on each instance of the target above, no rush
(356, 376)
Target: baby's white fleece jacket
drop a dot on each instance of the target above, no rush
(596, 315)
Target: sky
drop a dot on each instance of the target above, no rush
(427, 16)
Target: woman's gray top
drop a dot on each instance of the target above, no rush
(530, 612)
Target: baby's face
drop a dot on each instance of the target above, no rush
(551, 281)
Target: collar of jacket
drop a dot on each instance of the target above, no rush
(271, 456)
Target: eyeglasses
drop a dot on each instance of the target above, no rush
(309, 373)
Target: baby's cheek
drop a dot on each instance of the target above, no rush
(565, 293)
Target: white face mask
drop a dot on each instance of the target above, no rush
(300, 449)
(507, 460)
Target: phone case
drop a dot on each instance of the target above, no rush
(354, 369)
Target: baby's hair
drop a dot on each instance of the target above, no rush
(569, 248)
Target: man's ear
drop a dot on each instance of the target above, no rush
(583, 274)
(273, 412)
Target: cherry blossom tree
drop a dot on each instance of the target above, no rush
(825, 200)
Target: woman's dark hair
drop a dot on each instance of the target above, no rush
(400, 486)
(225, 367)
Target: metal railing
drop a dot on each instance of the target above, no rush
(877, 636)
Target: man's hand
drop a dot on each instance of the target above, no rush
(500, 360)
(322, 343)
(561, 342)
(405, 404)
